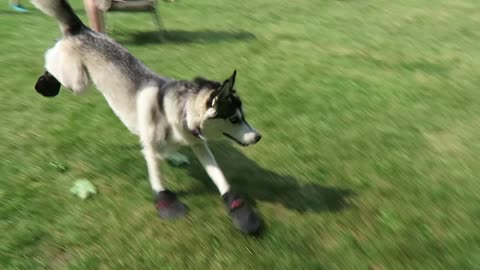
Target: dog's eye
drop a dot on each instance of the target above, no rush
(235, 120)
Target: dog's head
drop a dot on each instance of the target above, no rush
(224, 113)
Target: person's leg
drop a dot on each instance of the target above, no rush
(15, 5)
(95, 15)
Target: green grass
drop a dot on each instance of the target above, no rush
(370, 115)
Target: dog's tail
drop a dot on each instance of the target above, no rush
(63, 12)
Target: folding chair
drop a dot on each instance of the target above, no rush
(135, 6)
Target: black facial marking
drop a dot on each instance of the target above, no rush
(228, 107)
(47, 85)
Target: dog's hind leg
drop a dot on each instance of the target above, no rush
(244, 218)
(150, 132)
(65, 64)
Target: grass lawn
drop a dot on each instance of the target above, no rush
(371, 122)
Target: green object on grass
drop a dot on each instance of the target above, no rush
(177, 160)
(83, 189)
(59, 166)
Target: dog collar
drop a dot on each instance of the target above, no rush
(198, 133)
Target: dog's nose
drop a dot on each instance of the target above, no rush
(258, 137)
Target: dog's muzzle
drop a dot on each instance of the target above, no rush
(257, 138)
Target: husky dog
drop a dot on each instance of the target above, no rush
(165, 113)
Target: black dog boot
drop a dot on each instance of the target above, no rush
(47, 85)
(244, 218)
(168, 205)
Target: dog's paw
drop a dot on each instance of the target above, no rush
(47, 85)
(169, 206)
(243, 216)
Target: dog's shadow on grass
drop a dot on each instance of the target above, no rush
(261, 184)
(183, 36)
(245, 175)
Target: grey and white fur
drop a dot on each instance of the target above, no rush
(165, 113)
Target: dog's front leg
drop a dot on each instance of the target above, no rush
(244, 218)
(210, 164)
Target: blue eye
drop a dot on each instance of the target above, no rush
(235, 120)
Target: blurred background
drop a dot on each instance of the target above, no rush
(370, 118)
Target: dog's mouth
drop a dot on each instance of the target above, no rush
(234, 139)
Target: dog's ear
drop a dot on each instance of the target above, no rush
(223, 91)
(227, 87)
(230, 82)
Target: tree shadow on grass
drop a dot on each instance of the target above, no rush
(183, 37)
(261, 184)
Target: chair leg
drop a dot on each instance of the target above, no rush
(159, 24)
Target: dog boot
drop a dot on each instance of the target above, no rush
(47, 85)
(168, 205)
(244, 218)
